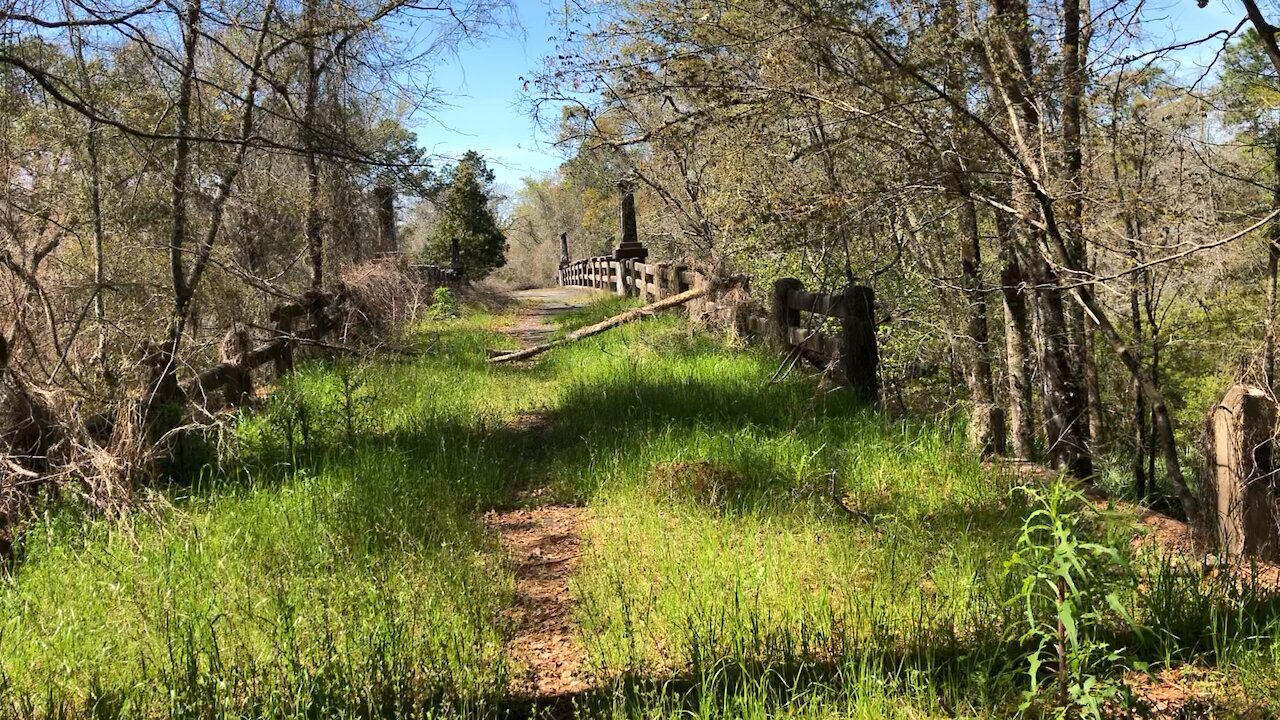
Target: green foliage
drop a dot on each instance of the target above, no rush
(444, 305)
(1069, 596)
(464, 214)
(1250, 87)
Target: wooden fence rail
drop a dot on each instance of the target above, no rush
(828, 330)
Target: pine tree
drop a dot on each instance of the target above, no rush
(464, 213)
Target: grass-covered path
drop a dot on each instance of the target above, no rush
(341, 556)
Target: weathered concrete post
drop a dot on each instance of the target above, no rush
(861, 357)
(1241, 485)
(781, 317)
(620, 282)
(564, 256)
(629, 246)
(235, 351)
(386, 196)
(662, 279)
(455, 259)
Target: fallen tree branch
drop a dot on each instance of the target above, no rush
(616, 320)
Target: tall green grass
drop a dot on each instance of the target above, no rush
(755, 548)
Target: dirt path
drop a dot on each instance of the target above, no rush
(543, 544)
(539, 307)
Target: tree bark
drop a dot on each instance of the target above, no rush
(1273, 263)
(94, 173)
(1139, 402)
(1064, 420)
(1017, 340)
(991, 439)
(165, 361)
(314, 223)
(1074, 58)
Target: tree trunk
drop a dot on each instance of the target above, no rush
(1139, 402)
(1273, 260)
(1093, 392)
(314, 224)
(1017, 341)
(1064, 418)
(990, 418)
(629, 316)
(182, 292)
(1074, 57)
(94, 172)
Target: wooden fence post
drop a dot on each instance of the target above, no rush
(781, 317)
(861, 357)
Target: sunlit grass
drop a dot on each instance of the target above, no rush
(755, 548)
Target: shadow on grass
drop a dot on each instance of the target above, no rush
(949, 679)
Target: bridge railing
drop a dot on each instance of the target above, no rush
(648, 281)
(829, 330)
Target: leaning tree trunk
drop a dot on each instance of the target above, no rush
(621, 319)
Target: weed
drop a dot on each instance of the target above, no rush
(1068, 589)
(444, 306)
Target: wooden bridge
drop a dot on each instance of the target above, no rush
(831, 331)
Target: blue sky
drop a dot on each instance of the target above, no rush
(482, 82)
